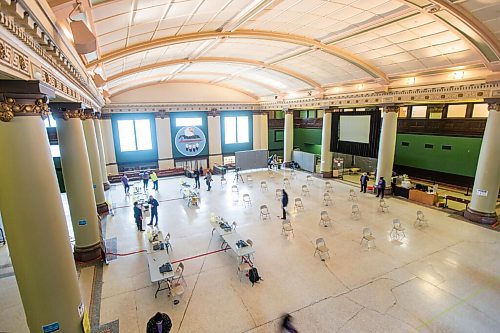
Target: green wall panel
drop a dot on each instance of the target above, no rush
(275, 141)
(460, 160)
(307, 139)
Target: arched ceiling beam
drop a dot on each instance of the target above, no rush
(217, 75)
(255, 63)
(124, 87)
(486, 37)
(372, 70)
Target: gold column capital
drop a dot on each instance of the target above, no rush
(493, 105)
(391, 108)
(66, 114)
(162, 114)
(89, 114)
(11, 107)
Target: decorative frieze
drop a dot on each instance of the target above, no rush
(68, 114)
(9, 108)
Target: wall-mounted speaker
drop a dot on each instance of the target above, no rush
(85, 41)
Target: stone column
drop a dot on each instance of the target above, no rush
(264, 131)
(387, 144)
(164, 140)
(102, 155)
(77, 180)
(482, 208)
(108, 143)
(288, 144)
(326, 138)
(32, 211)
(214, 139)
(260, 131)
(95, 166)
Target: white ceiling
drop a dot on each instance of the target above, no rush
(270, 46)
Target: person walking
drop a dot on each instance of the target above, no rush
(196, 174)
(208, 179)
(154, 179)
(286, 325)
(381, 187)
(364, 182)
(138, 216)
(154, 209)
(145, 180)
(159, 323)
(125, 183)
(284, 203)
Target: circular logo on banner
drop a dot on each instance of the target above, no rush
(190, 141)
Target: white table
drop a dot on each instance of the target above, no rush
(155, 260)
(242, 252)
(216, 227)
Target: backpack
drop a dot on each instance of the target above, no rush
(253, 276)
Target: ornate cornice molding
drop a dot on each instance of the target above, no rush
(391, 108)
(179, 107)
(9, 108)
(105, 116)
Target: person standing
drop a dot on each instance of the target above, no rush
(159, 323)
(364, 182)
(201, 171)
(154, 209)
(145, 180)
(381, 187)
(154, 179)
(138, 216)
(286, 325)
(208, 179)
(125, 183)
(196, 174)
(284, 203)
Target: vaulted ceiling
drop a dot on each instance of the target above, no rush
(265, 47)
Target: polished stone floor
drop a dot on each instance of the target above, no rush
(441, 278)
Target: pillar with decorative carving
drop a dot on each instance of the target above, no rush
(32, 211)
(108, 143)
(164, 140)
(326, 138)
(95, 165)
(77, 180)
(482, 208)
(102, 155)
(288, 140)
(214, 138)
(387, 143)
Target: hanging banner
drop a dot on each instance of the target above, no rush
(190, 141)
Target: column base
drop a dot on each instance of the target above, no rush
(106, 186)
(480, 217)
(102, 208)
(88, 253)
(325, 174)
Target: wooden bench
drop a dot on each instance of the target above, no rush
(456, 199)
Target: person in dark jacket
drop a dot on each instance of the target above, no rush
(201, 171)
(364, 182)
(159, 323)
(196, 174)
(286, 325)
(284, 202)
(154, 209)
(381, 187)
(125, 183)
(138, 216)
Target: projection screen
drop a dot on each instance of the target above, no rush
(355, 128)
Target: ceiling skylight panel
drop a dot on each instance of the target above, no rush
(114, 8)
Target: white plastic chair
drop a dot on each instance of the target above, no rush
(279, 194)
(352, 195)
(298, 204)
(397, 232)
(223, 182)
(421, 221)
(234, 189)
(286, 182)
(249, 180)
(305, 190)
(264, 213)
(367, 238)
(321, 248)
(233, 226)
(327, 199)
(286, 228)
(309, 179)
(247, 202)
(263, 186)
(328, 187)
(383, 206)
(325, 220)
(167, 242)
(355, 212)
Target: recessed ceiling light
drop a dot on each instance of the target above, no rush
(458, 75)
(360, 86)
(410, 80)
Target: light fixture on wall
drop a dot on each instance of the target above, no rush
(458, 75)
(360, 86)
(410, 81)
(84, 40)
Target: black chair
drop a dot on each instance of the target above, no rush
(2, 237)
